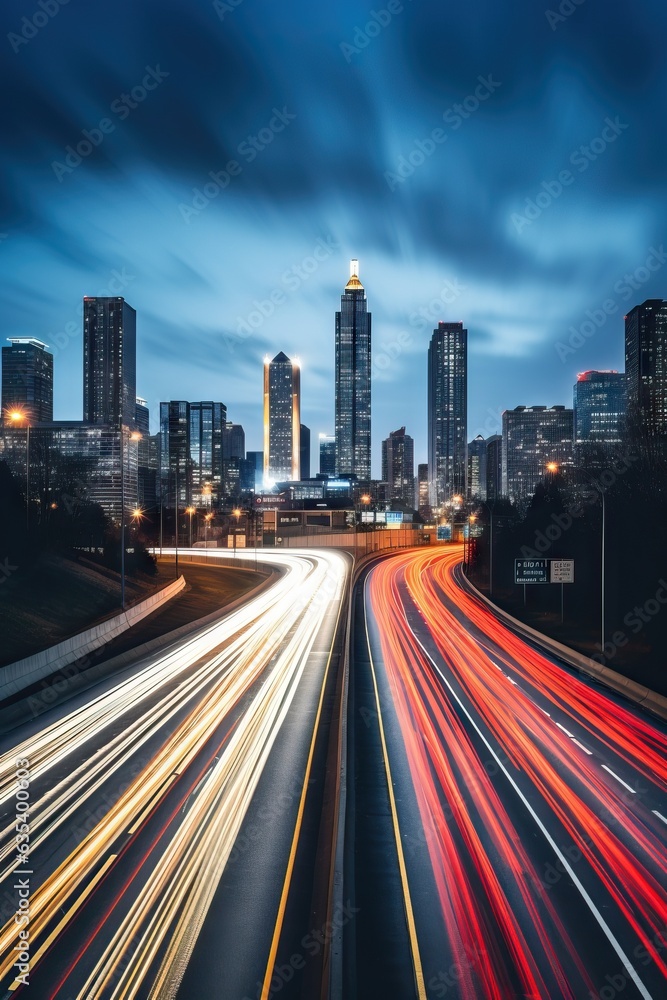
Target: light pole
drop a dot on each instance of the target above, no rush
(190, 510)
(237, 513)
(176, 514)
(19, 417)
(134, 436)
(207, 520)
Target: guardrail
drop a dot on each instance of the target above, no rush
(638, 693)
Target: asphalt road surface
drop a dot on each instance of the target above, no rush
(173, 811)
(507, 829)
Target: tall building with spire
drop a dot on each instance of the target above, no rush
(353, 381)
(282, 424)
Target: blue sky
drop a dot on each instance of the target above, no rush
(455, 213)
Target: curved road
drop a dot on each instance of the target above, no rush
(174, 810)
(509, 819)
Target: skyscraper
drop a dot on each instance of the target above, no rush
(256, 459)
(305, 452)
(599, 412)
(353, 381)
(398, 467)
(146, 457)
(533, 437)
(327, 455)
(233, 458)
(207, 426)
(447, 412)
(109, 362)
(175, 462)
(282, 425)
(646, 366)
(423, 492)
(494, 466)
(27, 379)
(477, 468)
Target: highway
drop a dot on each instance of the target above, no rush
(507, 824)
(174, 809)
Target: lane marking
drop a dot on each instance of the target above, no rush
(582, 747)
(624, 783)
(34, 959)
(659, 815)
(407, 900)
(280, 918)
(159, 794)
(566, 731)
(609, 934)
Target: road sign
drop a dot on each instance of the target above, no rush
(562, 570)
(531, 570)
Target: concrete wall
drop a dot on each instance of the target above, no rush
(17, 676)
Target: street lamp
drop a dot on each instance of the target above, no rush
(19, 417)
(134, 436)
(190, 511)
(237, 513)
(207, 520)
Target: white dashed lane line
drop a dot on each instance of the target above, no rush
(624, 783)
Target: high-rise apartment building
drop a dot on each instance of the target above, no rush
(175, 463)
(477, 468)
(534, 437)
(282, 425)
(327, 455)
(494, 467)
(353, 380)
(423, 492)
(27, 380)
(208, 421)
(305, 452)
(646, 366)
(600, 399)
(447, 412)
(109, 362)
(234, 475)
(398, 467)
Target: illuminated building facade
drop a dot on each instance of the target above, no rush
(282, 425)
(353, 381)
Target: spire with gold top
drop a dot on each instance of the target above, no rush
(354, 284)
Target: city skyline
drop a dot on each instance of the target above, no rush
(491, 424)
(126, 219)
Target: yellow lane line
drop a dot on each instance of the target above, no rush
(407, 900)
(68, 916)
(266, 987)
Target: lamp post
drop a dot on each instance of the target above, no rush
(207, 520)
(18, 417)
(237, 513)
(190, 510)
(134, 436)
(176, 514)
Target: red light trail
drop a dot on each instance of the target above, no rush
(449, 663)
